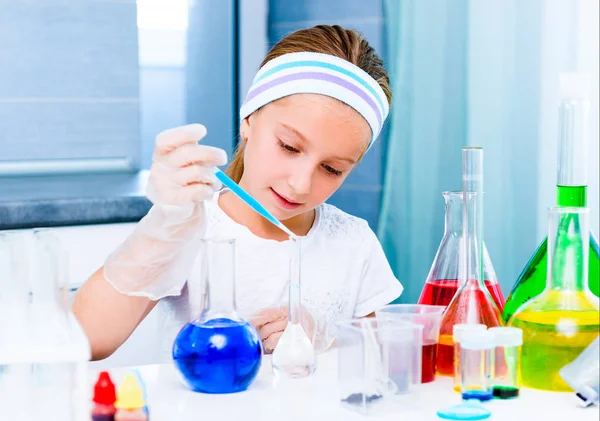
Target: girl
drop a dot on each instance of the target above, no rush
(316, 105)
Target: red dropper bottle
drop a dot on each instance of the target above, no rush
(104, 398)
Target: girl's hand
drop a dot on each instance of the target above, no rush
(182, 170)
(156, 259)
(271, 323)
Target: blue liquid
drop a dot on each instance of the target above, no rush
(219, 356)
(480, 395)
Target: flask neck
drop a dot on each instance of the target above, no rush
(454, 215)
(573, 114)
(568, 249)
(454, 226)
(218, 270)
(295, 277)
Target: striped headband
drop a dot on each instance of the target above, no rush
(316, 73)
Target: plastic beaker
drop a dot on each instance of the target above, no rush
(583, 374)
(457, 332)
(378, 361)
(507, 375)
(430, 318)
(476, 365)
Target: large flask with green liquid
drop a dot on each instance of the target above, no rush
(571, 189)
(564, 319)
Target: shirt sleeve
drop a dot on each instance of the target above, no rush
(378, 285)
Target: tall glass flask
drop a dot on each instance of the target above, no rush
(443, 279)
(219, 352)
(571, 189)
(563, 320)
(472, 303)
(295, 356)
(44, 352)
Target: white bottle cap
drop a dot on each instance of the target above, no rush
(575, 85)
(457, 330)
(507, 336)
(477, 340)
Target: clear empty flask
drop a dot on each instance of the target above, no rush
(295, 356)
(443, 279)
(219, 352)
(44, 353)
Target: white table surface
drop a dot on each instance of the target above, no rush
(316, 398)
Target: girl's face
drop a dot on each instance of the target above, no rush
(299, 151)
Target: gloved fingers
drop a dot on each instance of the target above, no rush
(270, 328)
(195, 174)
(171, 139)
(200, 192)
(268, 315)
(189, 154)
(271, 342)
(166, 192)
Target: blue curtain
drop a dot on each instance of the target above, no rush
(482, 73)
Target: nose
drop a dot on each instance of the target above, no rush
(300, 179)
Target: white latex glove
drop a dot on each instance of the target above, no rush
(155, 260)
(271, 322)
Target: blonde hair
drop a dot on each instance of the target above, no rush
(333, 40)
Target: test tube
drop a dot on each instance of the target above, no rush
(507, 378)
(457, 331)
(476, 365)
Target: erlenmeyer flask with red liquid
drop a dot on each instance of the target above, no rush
(443, 279)
(472, 303)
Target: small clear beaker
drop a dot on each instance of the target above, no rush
(430, 318)
(507, 374)
(457, 331)
(378, 361)
(476, 365)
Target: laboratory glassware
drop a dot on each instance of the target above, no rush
(443, 278)
(571, 189)
(563, 320)
(472, 303)
(219, 352)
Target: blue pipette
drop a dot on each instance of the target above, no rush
(250, 201)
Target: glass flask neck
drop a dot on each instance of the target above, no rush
(295, 277)
(568, 250)
(572, 146)
(454, 216)
(218, 263)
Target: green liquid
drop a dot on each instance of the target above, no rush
(505, 392)
(532, 280)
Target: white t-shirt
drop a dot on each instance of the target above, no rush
(345, 273)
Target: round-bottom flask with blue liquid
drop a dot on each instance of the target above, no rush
(219, 352)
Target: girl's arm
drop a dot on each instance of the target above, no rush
(107, 316)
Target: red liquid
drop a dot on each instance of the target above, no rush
(429, 363)
(440, 292)
(445, 357)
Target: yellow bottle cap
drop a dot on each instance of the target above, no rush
(130, 395)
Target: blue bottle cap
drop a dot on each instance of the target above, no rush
(468, 410)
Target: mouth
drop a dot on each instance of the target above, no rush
(284, 202)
